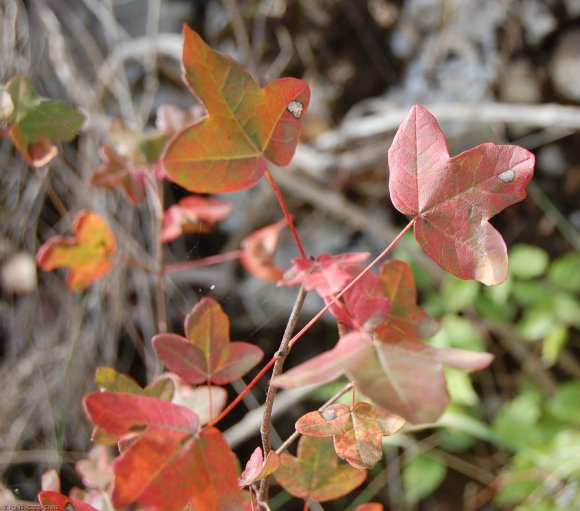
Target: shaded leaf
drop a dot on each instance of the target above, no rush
(63, 503)
(257, 468)
(357, 432)
(227, 150)
(327, 274)
(120, 172)
(193, 215)
(366, 305)
(109, 379)
(406, 320)
(50, 481)
(86, 254)
(207, 402)
(207, 353)
(422, 476)
(96, 471)
(35, 123)
(405, 378)
(258, 251)
(452, 199)
(315, 472)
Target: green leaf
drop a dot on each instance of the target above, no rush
(54, 120)
(565, 404)
(527, 261)
(553, 344)
(536, 323)
(517, 421)
(315, 472)
(421, 477)
(458, 332)
(564, 273)
(458, 294)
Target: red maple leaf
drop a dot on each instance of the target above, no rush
(452, 198)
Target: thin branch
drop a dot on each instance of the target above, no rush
(271, 394)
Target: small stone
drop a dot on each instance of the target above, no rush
(551, 160)
(565, 65)
(18, 274)
(538, 21)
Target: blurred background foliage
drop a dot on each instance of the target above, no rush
(492, 70)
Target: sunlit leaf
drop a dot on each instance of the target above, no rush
(315, 472)
(452, 199)
(405, 377)
(246, 124)
(357, 432)
(86, 254)
(207, 353)
(108, 378)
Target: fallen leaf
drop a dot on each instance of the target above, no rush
(258, 250)
(357, 432)
(452, 199)
(257, 468)
(315, 472)
(193, 215)
(405, 378)
(206, 355)
(86, 254)
(227, 150)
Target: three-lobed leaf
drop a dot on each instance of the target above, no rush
(246, 124)
(206, 353)
(86, 254)
(315, 472)
(357, 432)
(452, 198)
(405, 378)
(35, 123)
(169, 461)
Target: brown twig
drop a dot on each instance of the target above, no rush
(271, 394)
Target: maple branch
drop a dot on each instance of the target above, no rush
(287, 214)
(204, 261)
(272, 390)
(290, 440)
(334, 300)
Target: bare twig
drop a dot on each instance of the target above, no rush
(271, 394)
